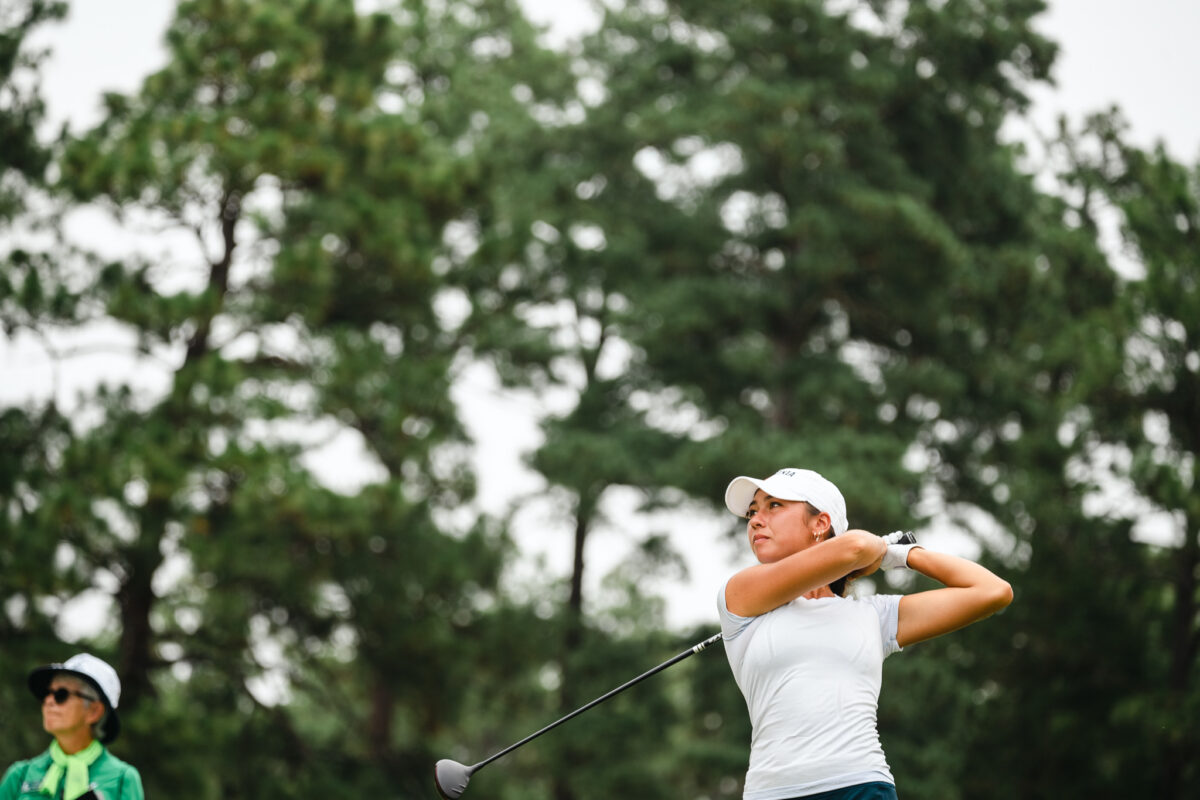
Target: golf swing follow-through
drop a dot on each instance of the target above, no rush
(451, 777)
(807, 658)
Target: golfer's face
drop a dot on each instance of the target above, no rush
(777, 528)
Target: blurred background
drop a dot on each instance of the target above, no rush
(372, 373)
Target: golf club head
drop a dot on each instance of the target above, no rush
(451, 778)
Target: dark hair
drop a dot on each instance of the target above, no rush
(839, 586)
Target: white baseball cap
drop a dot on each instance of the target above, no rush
(790, 483)
(93, 671)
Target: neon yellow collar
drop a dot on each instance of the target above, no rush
(75, 767)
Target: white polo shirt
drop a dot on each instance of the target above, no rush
(810, 671)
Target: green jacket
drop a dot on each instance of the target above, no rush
(110, 779)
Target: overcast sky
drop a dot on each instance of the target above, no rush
(1140, 56)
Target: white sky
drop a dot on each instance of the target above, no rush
(1140, 56)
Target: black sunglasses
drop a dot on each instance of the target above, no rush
(62, 694)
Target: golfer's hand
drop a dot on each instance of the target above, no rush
(897, 554)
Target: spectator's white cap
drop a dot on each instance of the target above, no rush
(93, 671)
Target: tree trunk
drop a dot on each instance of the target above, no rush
(1184, 640)
(135, 599)
(573, 633)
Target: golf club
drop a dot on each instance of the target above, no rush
(451, 777)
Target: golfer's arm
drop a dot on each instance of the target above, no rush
(763, 587)
(972, 593)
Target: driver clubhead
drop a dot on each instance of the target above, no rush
(451, 778)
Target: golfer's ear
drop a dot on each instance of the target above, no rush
(95, 712)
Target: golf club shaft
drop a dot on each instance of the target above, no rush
(694, 649)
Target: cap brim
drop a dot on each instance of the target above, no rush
(39, 684)
(740, 492)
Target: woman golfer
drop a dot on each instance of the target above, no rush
(809, 661)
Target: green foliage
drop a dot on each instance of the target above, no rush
(316, 169)
(22, 156)
(1144, 426)
(838, 259)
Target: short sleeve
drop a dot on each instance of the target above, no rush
(887, 608)
(731, 624)
(733, 631)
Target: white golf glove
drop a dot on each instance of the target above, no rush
(896, 556)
